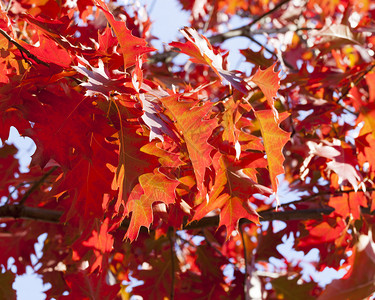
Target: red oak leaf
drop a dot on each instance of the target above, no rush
(202, 52)
(269, 82)
(195, 130)
(88, 182)
(106, 41)
(49, 52)
(90, 286)
(131, 47)
(274, 139)
(101, 242)
(231, 191)
(234, 210)
(132, 163)
(151, 188)
(342, 162)
(358, 283)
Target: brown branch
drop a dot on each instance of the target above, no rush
(23, 49)
(347, 88)
(292, 215)
(256, 20)
(247, 275)
(244, 30)
(33, 213)
(173, 275)
(53, 216)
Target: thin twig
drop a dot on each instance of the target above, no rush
(347, 89)
(256, 20)
(245, 258)
(36, 185)
(312, 197)
(173, 275)
(8, 5)
(243, 30)
(31, 213)
(265, 216)
(355, 83)
(207, 240)
(23, 49)
(15, 190)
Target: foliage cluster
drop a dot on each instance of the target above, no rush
(146, 169)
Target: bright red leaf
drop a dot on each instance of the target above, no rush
(195, 130)
(274, 139)
(269, 82)
(131, 47)
(152, 188)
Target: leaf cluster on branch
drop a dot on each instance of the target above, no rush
(169, 174)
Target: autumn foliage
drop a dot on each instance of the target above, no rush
(167, 174)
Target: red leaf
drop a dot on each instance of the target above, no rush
(274, 139)
(195, 130)
(234, 210)
(132, 163)
(358, 283)
(231, 192)
(88, 182)
(93, 286)
(131, 47)
(342, 162)
(201, 50)
(49, 52)
(106, 41)
(269, 82)
(152, 188)
(101, 242)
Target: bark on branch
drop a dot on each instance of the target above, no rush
(53, 216)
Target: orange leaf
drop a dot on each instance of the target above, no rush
(152, 188)
(200, 49)
(132, 163)
(231, 191)
(274, 139)
(49, 52)
(234, 210)
(101, 242)
(131, 46)
(269, 82)
(195, 130)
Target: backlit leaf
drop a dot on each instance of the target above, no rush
(274, 139)
(152, 188)
(131, 46)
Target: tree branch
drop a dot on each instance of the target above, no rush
(243, 30)
(33, 213)
(246, 260)
(53, 216)
(173, 275)
(23, 49)
(291, 215)
(36, 185)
